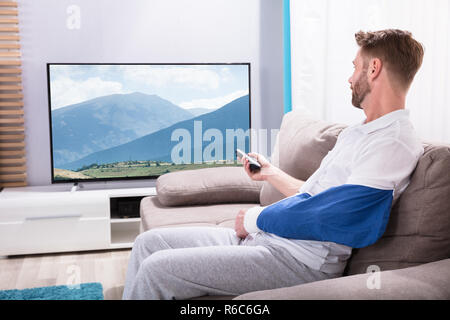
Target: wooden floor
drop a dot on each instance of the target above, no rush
(30, 271)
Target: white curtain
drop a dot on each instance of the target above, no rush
(323, 47)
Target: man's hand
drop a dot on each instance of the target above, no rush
(283, 182)
(239, 225)
(260, 175)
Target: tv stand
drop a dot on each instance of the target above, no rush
(52, 219)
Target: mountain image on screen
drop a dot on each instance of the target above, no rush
(105, 122)
(119, 135)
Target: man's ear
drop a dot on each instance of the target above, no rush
(374, 69)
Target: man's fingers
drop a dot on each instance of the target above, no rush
(263, 161)
(247, 168)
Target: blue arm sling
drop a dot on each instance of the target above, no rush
(353, 215)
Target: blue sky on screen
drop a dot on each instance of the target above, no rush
(188, 86)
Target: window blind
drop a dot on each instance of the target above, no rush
(12, 129)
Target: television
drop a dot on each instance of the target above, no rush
(114, 121)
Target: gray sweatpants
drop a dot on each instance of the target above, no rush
(188, 262)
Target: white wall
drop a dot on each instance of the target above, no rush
(323, 47)
(145, 31)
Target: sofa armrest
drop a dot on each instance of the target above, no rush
(207, 186)
(426, 281)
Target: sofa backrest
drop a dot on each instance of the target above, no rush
(419, 225)
(302, 143)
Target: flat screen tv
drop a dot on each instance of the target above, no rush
(129, 121)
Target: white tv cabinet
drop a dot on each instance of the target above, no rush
(45, 219)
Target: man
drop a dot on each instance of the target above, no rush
(309, 235)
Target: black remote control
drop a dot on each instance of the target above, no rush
(254, 165)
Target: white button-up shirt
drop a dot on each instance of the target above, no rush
(380, 154)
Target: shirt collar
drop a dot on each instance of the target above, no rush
(383, 122)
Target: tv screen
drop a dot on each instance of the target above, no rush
(130, 121)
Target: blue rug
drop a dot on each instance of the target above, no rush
(84, 291)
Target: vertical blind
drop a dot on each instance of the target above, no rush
(12, 131)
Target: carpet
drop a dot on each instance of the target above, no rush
(84, 291)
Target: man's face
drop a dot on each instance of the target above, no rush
(358, 81)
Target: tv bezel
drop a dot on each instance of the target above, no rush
(54, 181)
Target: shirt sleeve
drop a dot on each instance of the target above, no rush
(250, 219)
(383, 165)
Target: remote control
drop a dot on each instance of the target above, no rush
(254, 165)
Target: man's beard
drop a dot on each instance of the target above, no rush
(360, 90)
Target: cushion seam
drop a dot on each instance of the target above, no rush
(204, 189)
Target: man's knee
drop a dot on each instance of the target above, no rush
(156, 264)
(150, 239)
(144, 236)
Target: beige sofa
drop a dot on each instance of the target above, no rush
(413, 256)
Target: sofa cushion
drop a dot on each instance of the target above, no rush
(207, 186)
(418, 230)
(301, 145)
(155, 215)
(427, 281)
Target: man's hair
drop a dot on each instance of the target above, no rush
(401, 54)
